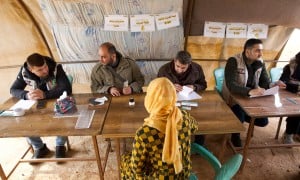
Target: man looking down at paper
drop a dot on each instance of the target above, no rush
(246, 75)
(48, 80)
(183, 72)
(115, 74)
(291, 76)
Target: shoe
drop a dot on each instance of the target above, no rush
(288, 138)
(40, 153)
(236, 140)
(60, 152)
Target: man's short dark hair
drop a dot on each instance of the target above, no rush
(35, 59)
(183, 57)
(251, 42)
(110, 47)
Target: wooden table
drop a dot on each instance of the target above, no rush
(41, 122)
(268, 106)
(213, 116)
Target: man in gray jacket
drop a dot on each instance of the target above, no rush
(115, 74)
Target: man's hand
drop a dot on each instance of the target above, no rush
(114, 91)
(35, 94)
(191, 86)
(256, 92)
(280, 84)
(178, 87)
(127, 90)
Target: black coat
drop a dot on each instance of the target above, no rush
(57, 77)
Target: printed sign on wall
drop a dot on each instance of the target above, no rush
(142, 23)
(116, 23)
(214, 29)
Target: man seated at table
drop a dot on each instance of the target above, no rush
(115, 74)
(48, 80)
(291, 74)
(183, 72)
(246, 75)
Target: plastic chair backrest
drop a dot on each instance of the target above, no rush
(70, 78)
(275, 73)
(219, 78)
(222, 172)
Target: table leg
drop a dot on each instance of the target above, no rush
(223, 146)
(118, 154)
(98, 158)
(247, 143)
(2, 174)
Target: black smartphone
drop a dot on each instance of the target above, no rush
(41, 104)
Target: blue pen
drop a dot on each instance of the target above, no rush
(291, 100)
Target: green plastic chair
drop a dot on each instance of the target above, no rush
(70, 78)
(222, 172)
(219, 78)
(275, 73)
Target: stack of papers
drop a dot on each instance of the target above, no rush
(187, 94)
(23, 104)
(268, 92)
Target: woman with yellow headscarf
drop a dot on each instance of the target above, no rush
(161, 148)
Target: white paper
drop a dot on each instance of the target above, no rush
(167, 20)
(116, 23)
(186, 91)
(193, 95)
(23, 104)
(236, 30)
(214, 29)
(258, 31)
(268, 92)
(142, 23)
(102, 99)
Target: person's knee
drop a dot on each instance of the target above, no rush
(261, 122)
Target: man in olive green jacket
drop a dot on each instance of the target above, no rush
(115, 74)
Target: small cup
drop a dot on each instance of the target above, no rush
(131, 102)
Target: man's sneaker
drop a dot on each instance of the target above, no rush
(288, 138)
(236, 140)
(40, 153)
(60, 152)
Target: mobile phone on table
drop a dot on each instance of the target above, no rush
(41, 104)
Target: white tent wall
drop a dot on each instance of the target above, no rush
(20, 37)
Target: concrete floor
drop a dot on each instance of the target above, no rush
(279, 163)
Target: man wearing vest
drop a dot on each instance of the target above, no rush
(246, 75)
(115, 74)
(48, 80)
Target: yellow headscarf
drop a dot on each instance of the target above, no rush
(166, 117)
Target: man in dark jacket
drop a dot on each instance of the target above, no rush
(47, 80)
(246, 75)
(291, 76)
(183, 72)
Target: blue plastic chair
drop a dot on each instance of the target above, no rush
(70, 78)
(275, 73)
(222, 172)
(219, 78)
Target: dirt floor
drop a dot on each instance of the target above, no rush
(276, 163)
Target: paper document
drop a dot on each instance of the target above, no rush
(191, 96)
(186, 91)
(23, 104)
(268, 92)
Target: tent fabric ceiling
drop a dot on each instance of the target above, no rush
(270, 12)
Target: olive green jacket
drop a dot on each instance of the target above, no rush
(102, 78)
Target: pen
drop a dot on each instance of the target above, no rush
(291, 100)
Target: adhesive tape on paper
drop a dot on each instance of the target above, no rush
(19, 112)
